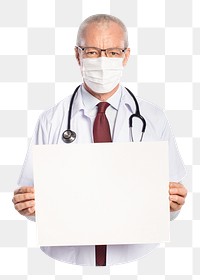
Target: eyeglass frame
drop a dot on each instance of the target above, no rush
(102, 50)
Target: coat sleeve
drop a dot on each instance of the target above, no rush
(39, 137)
(176, 167)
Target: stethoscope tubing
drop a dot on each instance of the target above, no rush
(69, 136)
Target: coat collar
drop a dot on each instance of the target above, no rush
(126, 101)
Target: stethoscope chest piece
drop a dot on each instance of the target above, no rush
(68, 136)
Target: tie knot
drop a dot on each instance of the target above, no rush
(102, 106)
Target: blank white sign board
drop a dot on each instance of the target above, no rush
(102, 193)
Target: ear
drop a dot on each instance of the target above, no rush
(77, 55)
(127, 54)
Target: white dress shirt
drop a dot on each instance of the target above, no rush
(49, 129)
(90, 103)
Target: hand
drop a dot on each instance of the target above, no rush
(24, 201)
(177, 196)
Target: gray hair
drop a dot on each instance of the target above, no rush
(101, 18)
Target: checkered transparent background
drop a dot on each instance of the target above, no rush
(38, 69)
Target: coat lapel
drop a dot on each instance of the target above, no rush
(126, 108)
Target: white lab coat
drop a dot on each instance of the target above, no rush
(49, 129)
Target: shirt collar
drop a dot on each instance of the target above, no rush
(89, 101)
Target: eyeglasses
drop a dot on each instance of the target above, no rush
(92, 52)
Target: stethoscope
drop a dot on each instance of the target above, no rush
(69, 135)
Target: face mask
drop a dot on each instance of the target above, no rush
(102, 74)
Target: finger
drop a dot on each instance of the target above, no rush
(25, 189)
(28, 212)
(24, 205)
(181, 191)
(178, 199)
(174, 206)
(23, 197)
(175, 185)
(16, 191)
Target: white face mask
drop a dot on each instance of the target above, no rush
(102, 74)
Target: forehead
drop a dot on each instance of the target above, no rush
(108, 34)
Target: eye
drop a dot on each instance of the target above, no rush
(114, 53)
(92, 53)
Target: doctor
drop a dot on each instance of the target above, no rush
(102, 52)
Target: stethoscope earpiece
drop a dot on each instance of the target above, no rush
(68, 136)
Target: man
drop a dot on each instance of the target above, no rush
(102, 52)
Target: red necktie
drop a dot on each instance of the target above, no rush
(101, 128)
(101, 133)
